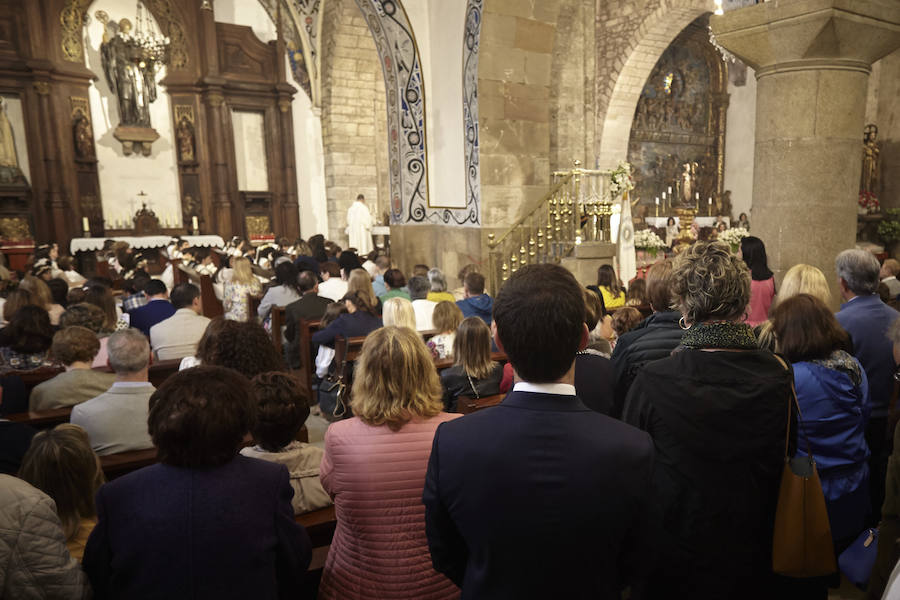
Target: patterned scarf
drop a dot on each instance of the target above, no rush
(841, 361)
(720, 334)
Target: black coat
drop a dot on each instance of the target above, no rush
(594, 380)
(456, 384)
(655, 337)
(539, 497)
(718, 423)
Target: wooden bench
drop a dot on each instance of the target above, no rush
(122, 463)
(278, 320)
(35, 377)
(467, 405)
(42, 419)
(159, 371)
(211, 306)
(307, 370)
(319, 524)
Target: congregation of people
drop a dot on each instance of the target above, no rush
(637, 451)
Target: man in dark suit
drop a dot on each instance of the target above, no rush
(539, 497)
(310, 306)
(157, 309)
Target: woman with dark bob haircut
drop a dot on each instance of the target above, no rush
(833, 393)
(242, 346)
(717, 412)
(26, 340)
(205, 521)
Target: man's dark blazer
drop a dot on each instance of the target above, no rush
(539, 497)
(150, 314)
(310, 306)
(222, 532)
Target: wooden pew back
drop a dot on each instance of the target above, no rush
(305, 330)
(211, 306)
(42, 419)
(277, 327)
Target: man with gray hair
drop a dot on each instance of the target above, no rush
(866, 318)
(116, 421)
(418, 292)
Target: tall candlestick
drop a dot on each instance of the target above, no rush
(657, 204)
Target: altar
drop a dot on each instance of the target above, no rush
(144, 242)
(661, 222)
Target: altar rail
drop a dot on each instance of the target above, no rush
(577, 208)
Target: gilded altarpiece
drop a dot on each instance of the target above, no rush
(678, 133)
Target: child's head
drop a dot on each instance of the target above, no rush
(625, 319)
(282, 410)
(332, 312)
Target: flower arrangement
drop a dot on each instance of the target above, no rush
(868, 203)
(620, 180)
(733, 236)
(647, 239)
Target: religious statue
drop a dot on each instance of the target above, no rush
(84, 137)
(131, 77)
(184, 134)
(688, 182)
(7, 142)
(871, 161)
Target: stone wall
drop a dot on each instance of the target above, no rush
(353, 116)
(514, 77)
(885, 86)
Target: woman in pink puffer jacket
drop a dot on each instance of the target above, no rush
(374, 468)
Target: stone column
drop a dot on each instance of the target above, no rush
(812, 60)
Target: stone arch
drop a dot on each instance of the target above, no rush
(620, 88)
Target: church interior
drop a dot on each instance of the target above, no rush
(147, 141)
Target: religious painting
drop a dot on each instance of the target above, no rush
(678, 133)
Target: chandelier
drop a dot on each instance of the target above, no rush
(148, 47)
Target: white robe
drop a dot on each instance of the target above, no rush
(359, 227)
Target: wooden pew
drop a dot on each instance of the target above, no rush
(253, 303)
(42, 419)
(160, 370)
(319, 525)
(211, 306)
(122, 463)
(467, 405)
(307, 370)
(34, 377)
(278, 328)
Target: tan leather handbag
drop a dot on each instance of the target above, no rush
(801, 544)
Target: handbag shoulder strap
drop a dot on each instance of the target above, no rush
(472, 385)
(793, 400)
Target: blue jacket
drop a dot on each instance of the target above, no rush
(835, 413)
(150, 314)
(477, 306)
(539, 472)
(866, 319)
(223, 532)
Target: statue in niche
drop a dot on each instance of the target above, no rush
(688, 182)
(131, 77)
(7, 141)
(871, 161)
(184, 134)
(83, 136)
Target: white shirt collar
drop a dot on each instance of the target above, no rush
(560, 389)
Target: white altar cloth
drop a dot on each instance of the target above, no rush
(145, 241)
(700, 221)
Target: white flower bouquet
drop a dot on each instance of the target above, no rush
(620, 180)
(647, 239)
(733, 236)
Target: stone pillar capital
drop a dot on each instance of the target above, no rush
(792, 35)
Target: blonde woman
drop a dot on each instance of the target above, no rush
(474, 375)
(61, 464)
(447, 317)
(374, 468)
(235, 300)
(360, 282)
(41, 296)
(399, 312)
(799, 279)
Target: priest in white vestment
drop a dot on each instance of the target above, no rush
(359, 226)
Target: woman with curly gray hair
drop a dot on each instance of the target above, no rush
(717, 410)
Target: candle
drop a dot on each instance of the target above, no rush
(670, 190)
(84, 224)
(710, 201)
(697, 196)
(664, 196)
(657, 199)
(194, 224)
